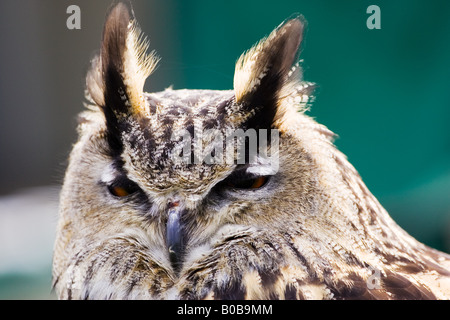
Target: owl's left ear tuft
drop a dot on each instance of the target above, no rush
(262, 71)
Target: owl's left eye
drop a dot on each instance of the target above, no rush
(240, 179)
(253, 183)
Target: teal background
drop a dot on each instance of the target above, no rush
(385, 93)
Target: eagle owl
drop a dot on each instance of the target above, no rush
(143, 216)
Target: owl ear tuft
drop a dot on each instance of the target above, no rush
(117, 76)
(262, 71)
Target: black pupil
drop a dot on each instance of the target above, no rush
(242, 184)
(240, 179)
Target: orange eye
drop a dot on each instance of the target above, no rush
(119, 191)
(122, 187)
(254, 183)
(258, 182)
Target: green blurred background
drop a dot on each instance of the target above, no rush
(386, 93)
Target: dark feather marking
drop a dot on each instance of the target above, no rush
(264, 102)
(402, 288)
(69, 293)
(112, 57)
(113, 133)
(136, 277)
(190, 127)
(412, 267)
(124, 261)
(197, 275)
(204, 112)
(55, 282)
(175, 111)
(115, 269)
(353, 260)
(233, 290)
(166, 122)
(299, 295)
(86, 294)
(152, 109)
(268, 280)
(290, 293)
(354, 287)
(312, 275)
(221, 109)
(210, 123)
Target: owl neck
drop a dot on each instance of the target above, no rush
(350, 218)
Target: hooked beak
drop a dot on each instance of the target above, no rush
(174, 235)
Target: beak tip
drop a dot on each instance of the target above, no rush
(174, 235)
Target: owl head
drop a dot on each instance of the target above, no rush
(172, 154)
(203, 193)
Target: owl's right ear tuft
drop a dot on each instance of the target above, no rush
(116, 79)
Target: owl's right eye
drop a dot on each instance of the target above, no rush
(123, 187)
(118, 191)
